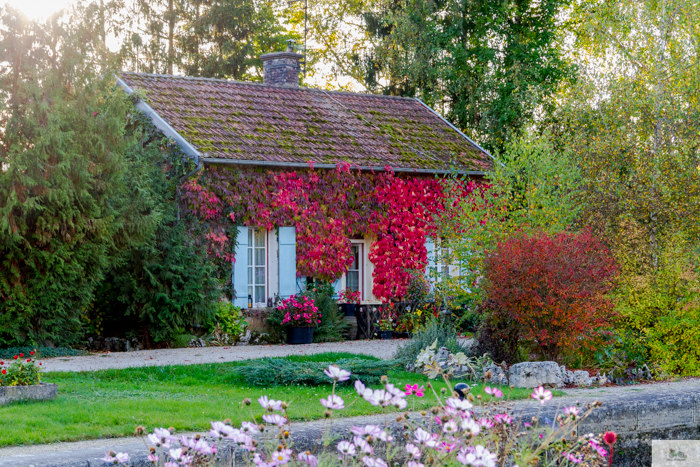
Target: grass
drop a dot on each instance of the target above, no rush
(111, 403)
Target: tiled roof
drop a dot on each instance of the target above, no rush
(260, 123)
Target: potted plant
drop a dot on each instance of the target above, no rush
(349, 300)
(20, 379)
(300, 318)
(387, 319)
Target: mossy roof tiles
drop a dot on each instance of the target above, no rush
(255, 122)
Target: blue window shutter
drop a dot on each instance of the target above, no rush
(287, 261)
(336, 288)
(240, 269)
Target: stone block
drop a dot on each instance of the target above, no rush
(535, 374)
(37, 392)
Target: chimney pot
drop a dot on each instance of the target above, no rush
(282, 68)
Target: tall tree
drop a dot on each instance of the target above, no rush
(633, 121)
(68, 200)
(489, 67)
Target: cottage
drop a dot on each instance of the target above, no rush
(280, 126)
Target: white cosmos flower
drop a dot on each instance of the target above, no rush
(471, 427)
(270, 404)
(413, 450)
(274, 419)
(346, 448)
(459, 404)
(450, 427)
(335, 373)
(333, 402)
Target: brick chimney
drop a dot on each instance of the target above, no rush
(282, 68)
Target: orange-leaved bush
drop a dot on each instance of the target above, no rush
(553, 288)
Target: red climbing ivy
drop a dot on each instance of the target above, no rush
(328, 209)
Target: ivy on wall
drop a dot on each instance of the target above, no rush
(328, 209)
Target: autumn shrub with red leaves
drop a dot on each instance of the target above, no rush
(553, 288)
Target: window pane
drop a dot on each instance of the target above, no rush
(353, 280)
(260, 256)
(355, 251)
(250, 236)
(260, 294)
(250, 256)
(259, 238)
(250, 276)
(250, 291)
(259, 276)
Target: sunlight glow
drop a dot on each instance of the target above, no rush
(38, 9)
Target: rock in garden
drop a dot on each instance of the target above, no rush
(498, 375)
(535, 374)
(581, 378)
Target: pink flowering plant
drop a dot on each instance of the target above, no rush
(349, 296)
(300, 311)
(459, 430)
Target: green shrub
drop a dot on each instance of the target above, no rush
(662, 309)
(435, 329)
(180, 341)
(283, 371)
(229, 323)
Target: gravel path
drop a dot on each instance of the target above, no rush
(193, 356)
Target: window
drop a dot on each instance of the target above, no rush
(257, 265)
(353, 277)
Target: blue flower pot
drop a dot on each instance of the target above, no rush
(297, 336)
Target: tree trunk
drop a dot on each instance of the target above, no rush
(171, 32)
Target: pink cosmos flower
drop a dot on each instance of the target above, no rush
(201, 446)
(281, 457)
(571, 412)
(250, 427)
(413, 450)
(485, 423)
(571, 457)
(221, 430)
(450, 427)
(160, 437)
(599, 449)
(374, 462)
(419, 391)
(346, 448)
(308, 459)
(399, 402)
(260, 462)
(541, 394)
(116, 458)
(503, 418)
(362, 445)
(477, 456)
(362, 391)
(333, 402)
(495, 392)
(274, 419)
(153, 458)
(369, 430)
(422, 436)
(270, 404)
(470, 427)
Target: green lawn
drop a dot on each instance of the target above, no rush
(111, 403)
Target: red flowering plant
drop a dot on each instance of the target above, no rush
(300, 311)
(349, 296)
(20, 371)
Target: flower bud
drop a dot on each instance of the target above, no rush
(152, 450)
(285, 406)
(139, 430)
(285, 434)
(384, 379)
(428, 385)
(327, 414)
(488, 375)
(470, 397)
(423, 413)
(435, 410)
(246, 401)
(443, 391)
(171, 429)
(227, 421)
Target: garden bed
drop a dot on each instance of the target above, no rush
(37, 392)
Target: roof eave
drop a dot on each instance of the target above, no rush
(299, 165)
(162, 125)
